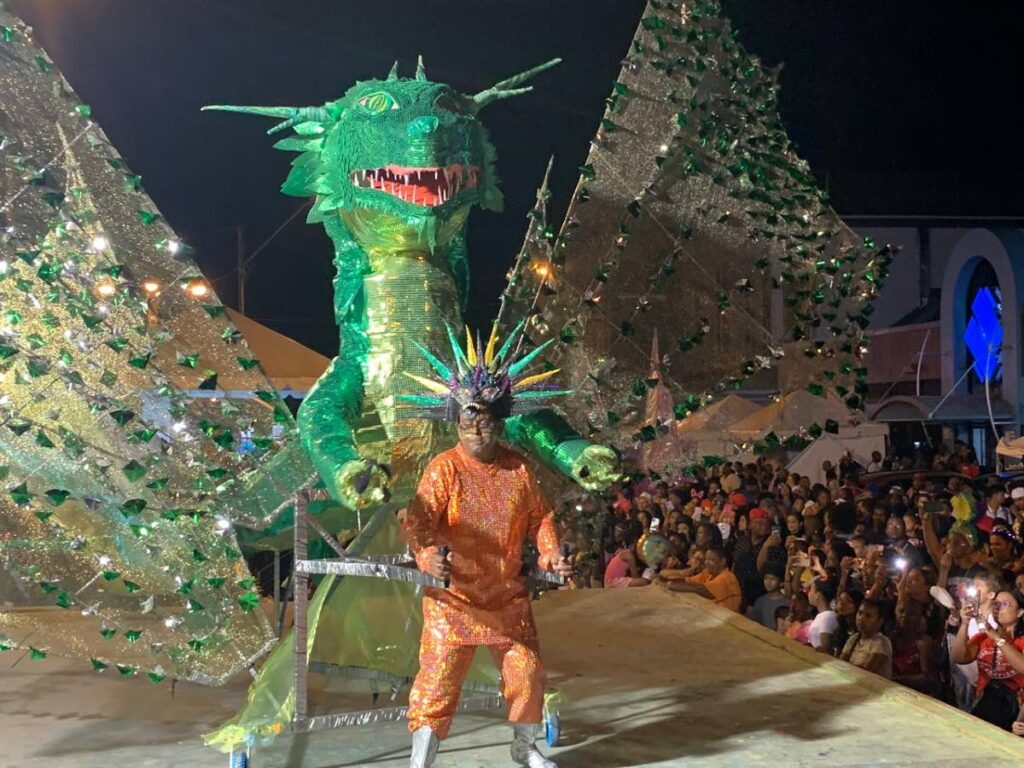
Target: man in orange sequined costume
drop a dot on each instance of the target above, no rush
(476, 506)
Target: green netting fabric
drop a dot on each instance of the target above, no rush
(367, 624)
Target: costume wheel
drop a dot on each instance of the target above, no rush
(552, 729)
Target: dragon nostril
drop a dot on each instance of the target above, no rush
(422, 126)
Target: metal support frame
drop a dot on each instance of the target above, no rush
(301, 596)
(351, 562)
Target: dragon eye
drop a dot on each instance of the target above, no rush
(377, 103)
(449, 103)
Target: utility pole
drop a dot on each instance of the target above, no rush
(240, 256)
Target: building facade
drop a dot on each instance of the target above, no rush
(945, 361)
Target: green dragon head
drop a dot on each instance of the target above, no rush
(401, 160)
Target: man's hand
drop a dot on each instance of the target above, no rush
(774, 540)
(437, 565)
(562, 566)
(1017, 728)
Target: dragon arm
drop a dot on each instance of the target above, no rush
(549, 437)
(334, 405)
(325, 421)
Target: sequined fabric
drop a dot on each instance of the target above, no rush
(484, 512)
(435, 694)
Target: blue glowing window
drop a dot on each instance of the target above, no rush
(984, 334)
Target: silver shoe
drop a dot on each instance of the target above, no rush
(424, 747)
(524, 747)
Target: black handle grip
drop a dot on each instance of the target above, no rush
(444, 551)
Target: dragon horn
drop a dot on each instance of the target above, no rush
(421, 72)
(292, 115)
(393, 74)
(505, 89)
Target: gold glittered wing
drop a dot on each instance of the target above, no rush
(136, 427)
(694, 219)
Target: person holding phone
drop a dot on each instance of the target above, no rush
(754, 549)
(998, 650)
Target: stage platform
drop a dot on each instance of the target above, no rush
(652, 679)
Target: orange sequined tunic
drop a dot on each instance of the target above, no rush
(484, 512)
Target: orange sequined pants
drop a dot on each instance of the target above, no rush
(443, 667)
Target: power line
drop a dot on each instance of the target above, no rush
(264, 244)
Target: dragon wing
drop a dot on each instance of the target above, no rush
(693, 216)
(130, 442)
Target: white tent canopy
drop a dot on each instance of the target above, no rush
(1010, 453)
(789, 415)
(718, 416)
(1013, 449)
(858, 441)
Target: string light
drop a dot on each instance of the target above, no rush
(151, 287)
(100, 243)
(197, 289)
(106, 289)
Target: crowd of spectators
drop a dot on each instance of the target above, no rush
(920, 582)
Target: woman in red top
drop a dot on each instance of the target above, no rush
(999, 651)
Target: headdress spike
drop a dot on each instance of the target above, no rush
(393, 74)
(518, 367)
(489, 350)
(503, 352)
(484, 379)
(470, 347)
(421, 71)
(535, 379)
(432, 386)
(461, 363)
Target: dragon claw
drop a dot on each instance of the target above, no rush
(596, 468)
(363, 483)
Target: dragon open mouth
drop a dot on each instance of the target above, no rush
(419, 186)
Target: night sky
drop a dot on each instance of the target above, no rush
(900, 108)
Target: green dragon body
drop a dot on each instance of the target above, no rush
(395, 167)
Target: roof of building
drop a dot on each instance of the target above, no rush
(971, 407)
(288, 364)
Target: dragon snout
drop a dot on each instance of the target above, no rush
(422, 126)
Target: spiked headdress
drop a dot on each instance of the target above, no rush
(483, 377)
